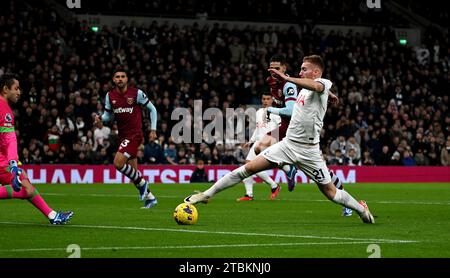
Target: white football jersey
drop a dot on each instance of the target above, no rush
(263, 126)
(309, 111)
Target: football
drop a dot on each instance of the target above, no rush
(185, 214)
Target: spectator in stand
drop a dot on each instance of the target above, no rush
(101, 135)
(199, 174)
(338, 158)
(396, 159)
(421, 159)
(153, 153)
(102, 158)
(408, 159)
(352, 144)
(170, 153)
(206, 156)
(338, 144)
(216, 157)
(367, 160)
(182, 157)
(352, 158)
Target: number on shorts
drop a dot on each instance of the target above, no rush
(318, 175)
(125, 143)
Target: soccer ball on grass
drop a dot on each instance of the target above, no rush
(185, 214)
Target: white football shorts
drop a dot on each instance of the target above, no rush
(306, 157)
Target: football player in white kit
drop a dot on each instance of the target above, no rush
(301, 144)
(264, 124)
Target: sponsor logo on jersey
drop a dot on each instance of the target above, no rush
(121, 110)
(130, 100)
(290, 91)
(8, 118)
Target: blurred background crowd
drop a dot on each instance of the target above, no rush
(394, 98)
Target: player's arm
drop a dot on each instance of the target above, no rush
(290, 96)
(143, 100)
(301, 82)
(8, 139)
(285, 111)
(332, 98)
(107, 114)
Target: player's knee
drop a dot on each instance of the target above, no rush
(29, 189)
(250, 168)
(118, 163)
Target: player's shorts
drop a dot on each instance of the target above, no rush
(251, 153)
(129, 145)
(280, 132)
(5, 176)
(306, 157)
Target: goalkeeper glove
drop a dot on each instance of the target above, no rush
(16, 171)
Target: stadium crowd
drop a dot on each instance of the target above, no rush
(394, 98)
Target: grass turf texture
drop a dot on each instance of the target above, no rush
(413, 221)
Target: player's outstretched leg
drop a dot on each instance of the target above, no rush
(29, 192)
(338, 184)
(257, 165)
(343, 198)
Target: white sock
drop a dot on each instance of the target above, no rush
(335, 180)
(265, 177)
(346, 200)
(141, 183)
(248, 182)
(150, 196)
(52, 215)
(286, 168)
(228, 180)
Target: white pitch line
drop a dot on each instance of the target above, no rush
(197, 246)
(373, 240)
(408, 202)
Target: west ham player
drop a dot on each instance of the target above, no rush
(125, 103)
(264, 124)
(284, 95)
(301, 144)
(14, 181)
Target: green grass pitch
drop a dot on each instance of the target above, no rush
(413, 221)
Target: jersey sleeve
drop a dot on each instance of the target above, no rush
(143, 100)
(106, 116)
(290, 92)
(290, 96)
(326, 84)
(8, 140)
